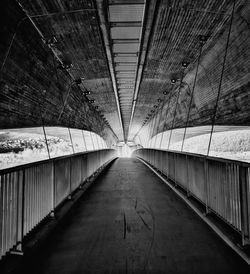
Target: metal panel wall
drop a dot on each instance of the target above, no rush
(62, 180)
(222, 185)
(9, 190)
(38, 194)
(29, 193)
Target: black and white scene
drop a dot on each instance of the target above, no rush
(125, 136)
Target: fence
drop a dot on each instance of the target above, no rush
(30, 192)
(221, 185)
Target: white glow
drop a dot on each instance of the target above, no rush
(125, 151)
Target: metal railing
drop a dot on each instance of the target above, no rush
(222, 185)
(29, 193)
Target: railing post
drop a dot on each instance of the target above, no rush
(175, 182)
(53, 192)
(206, 181)
(245, 204)
(167, 164)
(187, 177)
(70, 177)
(18, 249)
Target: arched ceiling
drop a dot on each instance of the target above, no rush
(124, 53)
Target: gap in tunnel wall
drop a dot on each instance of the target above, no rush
(229, 142)
(25, 145)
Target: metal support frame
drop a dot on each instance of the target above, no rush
(23, 215)
(177, 100)
(101, 8)
(222, 200)
(148, 20)
(157, 128)
(71, 141)
(65, 101)
(245, 204)
(91, 137)
(221, 77)
(192, 95)
(46, 140)
(86, 149)
(98, 145)
(149, 130)
(153, 129)
(169, 99)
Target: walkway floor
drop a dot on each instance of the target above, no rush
(131, 222)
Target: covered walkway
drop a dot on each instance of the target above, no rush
(131, 222)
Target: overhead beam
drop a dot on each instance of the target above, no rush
(147, 26)
(103, 17)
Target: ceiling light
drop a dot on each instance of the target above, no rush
(173, 81)
(185, 64)
(203, 39)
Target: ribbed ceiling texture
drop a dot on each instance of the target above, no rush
(113, 65)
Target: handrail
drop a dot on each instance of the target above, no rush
(31, 192)
(222, 185)
(203, 156)
(14, 168)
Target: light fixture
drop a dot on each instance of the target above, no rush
(203, 39)
(185, 64)
(173, 80)
(165, 92)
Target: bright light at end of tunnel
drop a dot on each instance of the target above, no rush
(125, 151)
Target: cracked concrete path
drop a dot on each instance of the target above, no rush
(130, 222)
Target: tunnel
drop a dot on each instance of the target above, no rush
(124, 136)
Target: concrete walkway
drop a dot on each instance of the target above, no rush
(130, 222)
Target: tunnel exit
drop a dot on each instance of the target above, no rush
(125, 149)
